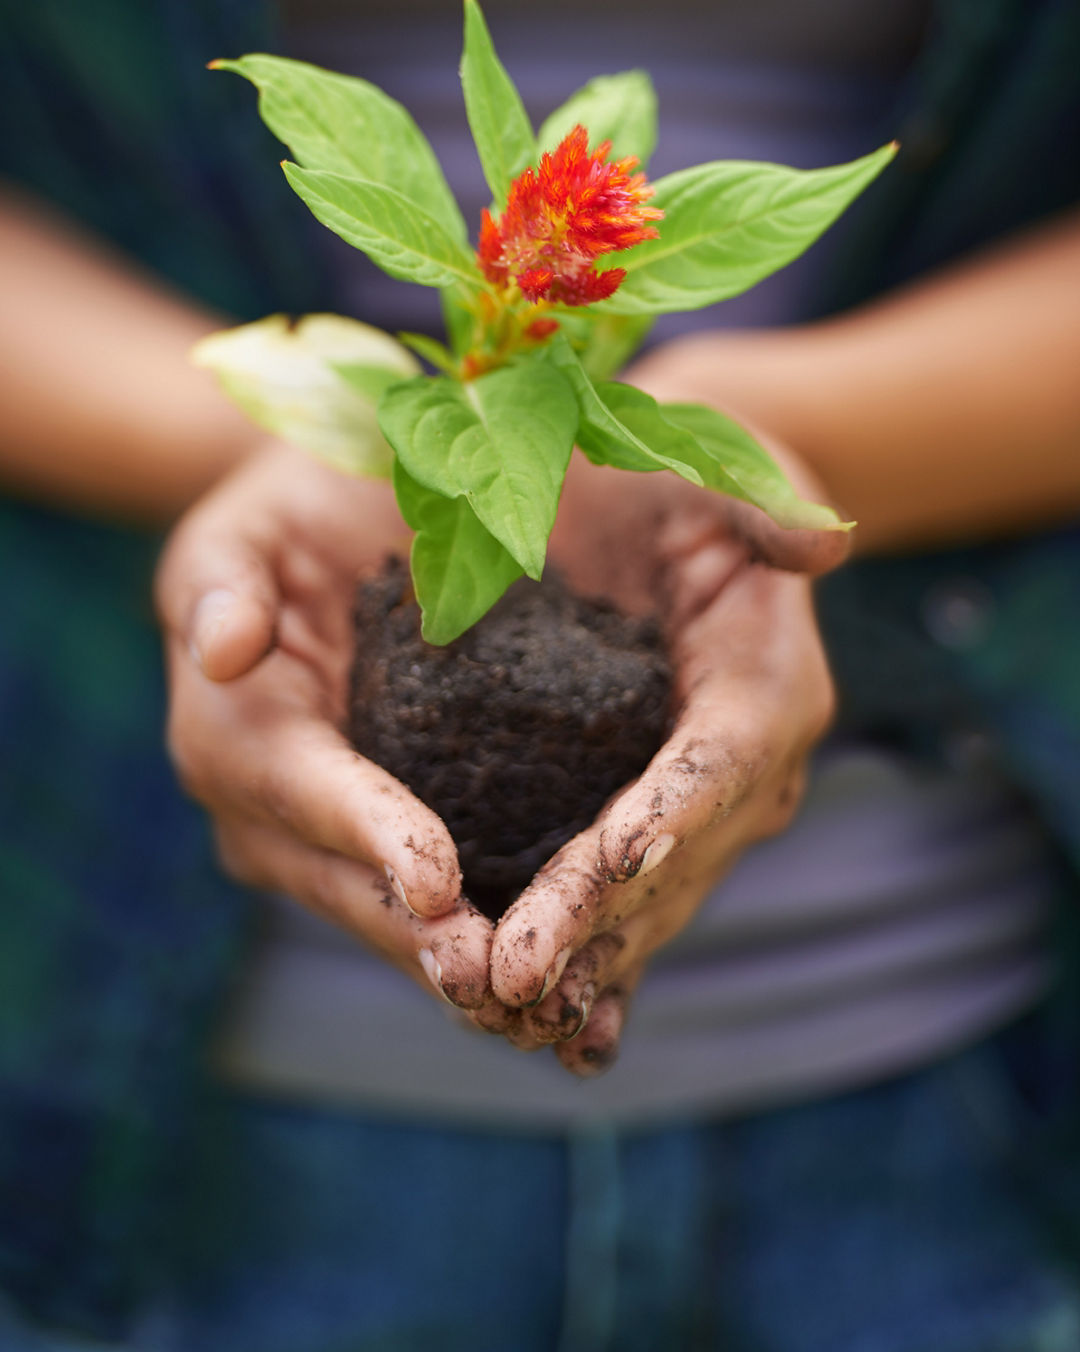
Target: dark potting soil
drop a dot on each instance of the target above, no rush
(518, 732)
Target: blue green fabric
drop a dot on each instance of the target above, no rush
(117, 931)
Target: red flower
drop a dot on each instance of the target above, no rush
(561, 217)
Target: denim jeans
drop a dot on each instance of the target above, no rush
(925, 1214)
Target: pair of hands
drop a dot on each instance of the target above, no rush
(255, 592)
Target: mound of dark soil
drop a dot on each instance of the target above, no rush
(517, 733)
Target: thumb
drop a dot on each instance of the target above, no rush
(216, 591)
(795, 551)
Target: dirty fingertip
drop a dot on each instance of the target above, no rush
(633, 854)
(459, 956)
(596, 1048)
(563, 1014)
(587, 1060)
(494, 1018)
(426, 879)
(523, 967)
(456, 976)
(514, 978)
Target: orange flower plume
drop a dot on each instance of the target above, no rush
(561, 217)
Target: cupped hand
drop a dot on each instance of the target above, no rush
(255, 594)
(752, 696)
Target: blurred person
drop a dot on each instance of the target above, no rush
(793, 1153)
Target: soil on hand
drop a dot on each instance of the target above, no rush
(517, 733)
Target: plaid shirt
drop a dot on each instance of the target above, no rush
(118, 932)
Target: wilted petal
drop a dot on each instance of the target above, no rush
(314, 383)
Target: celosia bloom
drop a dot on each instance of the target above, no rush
(561, 217)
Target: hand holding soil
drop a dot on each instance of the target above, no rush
(255, 592)
(752, 696)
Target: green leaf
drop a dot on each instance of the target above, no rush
(459, 569)
(616, 108)
(639, 415)
(625, 427)
(728, 224)
(497, 116)
(394, 233)
(315, 383)
(502, 441)
(602, 436)
(744, 469)
(348, 126)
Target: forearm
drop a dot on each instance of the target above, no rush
(947, 411)
(102, 410)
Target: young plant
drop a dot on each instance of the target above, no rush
(575, 257)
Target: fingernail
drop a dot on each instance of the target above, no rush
(208, 620)
(657, 852)
(588, 995)
(555, 971)
(432, 970)
(398, 889)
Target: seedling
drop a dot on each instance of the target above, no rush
(575, 257)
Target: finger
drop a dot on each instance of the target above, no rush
(520, 1037)
(448, 953)
(740, 530)
(607, 958)
(508, 1023)
(596, 1048)
(255, 750)
(653, 913)
(496, 1018)
(794, 551)
(695, 578)
(563, 1013)
(216, 590)
(758, 691)
(552, 919)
